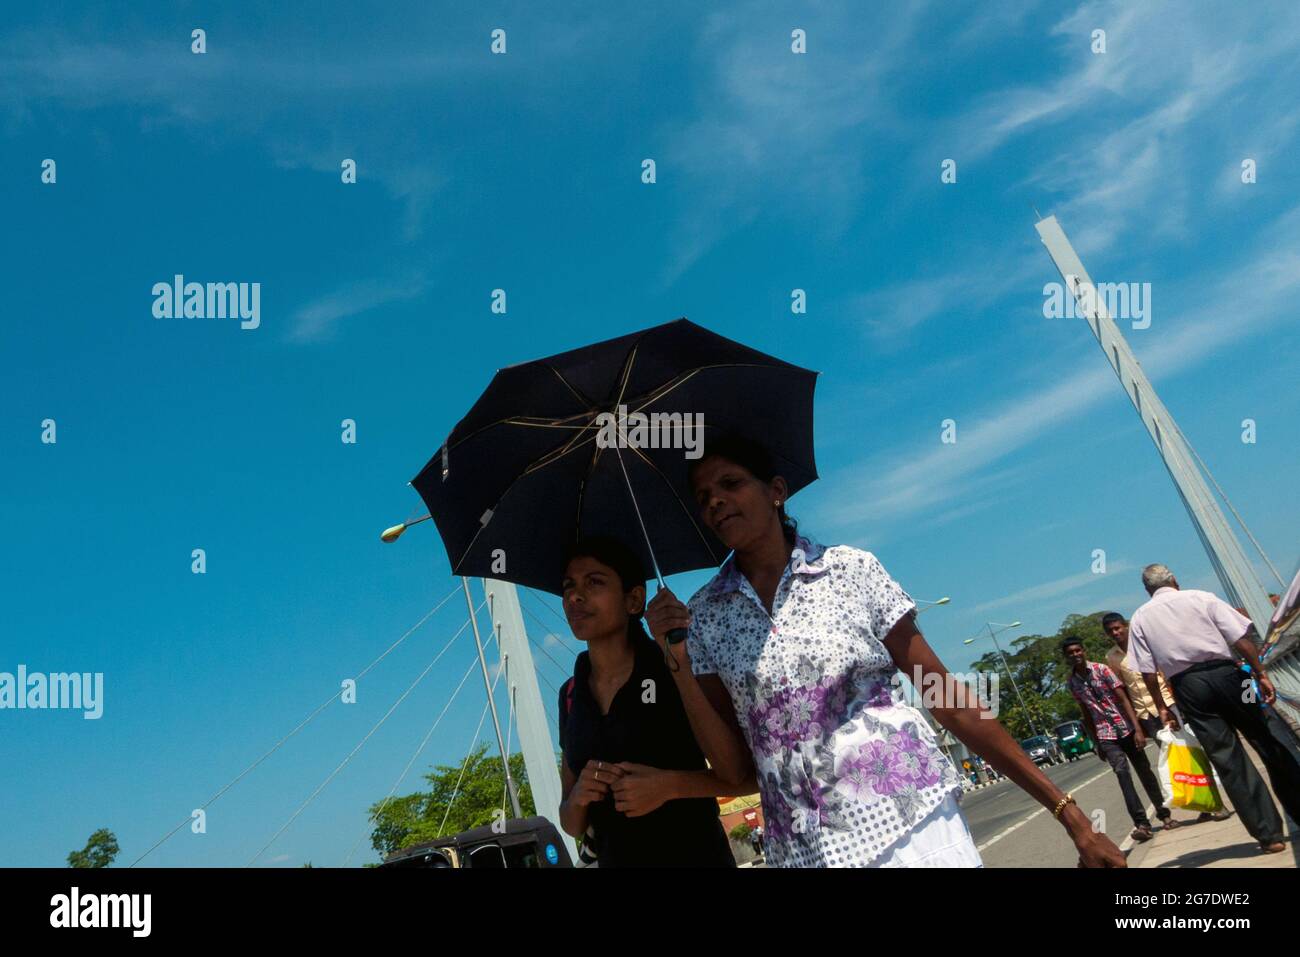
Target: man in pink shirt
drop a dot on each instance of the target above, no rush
(1190, 637)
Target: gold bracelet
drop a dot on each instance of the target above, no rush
(1060, 805)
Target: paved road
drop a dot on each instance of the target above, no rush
(1013, 830)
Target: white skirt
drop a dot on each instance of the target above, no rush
(941, 839)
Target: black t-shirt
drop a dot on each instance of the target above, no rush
(646, 724)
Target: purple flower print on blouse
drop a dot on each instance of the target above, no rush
(805, 714)
(918, 761)
(890, 766)
(876, 770)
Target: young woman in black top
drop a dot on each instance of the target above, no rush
(633, 770)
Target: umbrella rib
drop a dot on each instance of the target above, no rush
(576, 394)
(676, 495)
(669, 386)
(576, 441)
(518, 420)
(549, 457)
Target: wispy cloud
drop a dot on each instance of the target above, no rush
(1122, 130)
(1036, 595)
(319, 320)
(308, 104)
(890, 313)
(769, 116)
(1259, 292)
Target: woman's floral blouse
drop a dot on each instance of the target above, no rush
(845, 766)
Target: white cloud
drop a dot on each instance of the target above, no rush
(766, 115)
(1129, 127)
(1260, 292)
(319, 320)
(1049, 591)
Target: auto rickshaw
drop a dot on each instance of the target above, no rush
(1073, 739)
(515, 843)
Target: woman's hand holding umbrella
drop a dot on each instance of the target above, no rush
(664, 614)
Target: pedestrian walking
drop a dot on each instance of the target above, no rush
(633, 774)
(1112, 721)
(1191, 636)
(1152, 713)
(799, 644)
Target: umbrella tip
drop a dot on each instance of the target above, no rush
(392, 533)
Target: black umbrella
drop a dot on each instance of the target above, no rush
(523, 475)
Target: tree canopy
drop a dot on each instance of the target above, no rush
(415, 818)
(1041, 673)
(99, 851)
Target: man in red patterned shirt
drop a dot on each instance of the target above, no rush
(1111, 721)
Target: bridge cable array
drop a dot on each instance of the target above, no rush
(321, 787)
(325, 704)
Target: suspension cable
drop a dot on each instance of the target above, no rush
(406, 770)
(321, 787)
(325, 704)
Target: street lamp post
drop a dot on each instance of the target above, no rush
(1014, 687)
(921, 601)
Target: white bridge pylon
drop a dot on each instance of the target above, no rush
(1240, 584)
(535, 740)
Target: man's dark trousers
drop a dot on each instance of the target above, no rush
(1120, 754)
(1210, 697)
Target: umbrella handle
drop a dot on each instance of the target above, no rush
(676, 636)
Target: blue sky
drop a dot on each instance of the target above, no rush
(775, 171)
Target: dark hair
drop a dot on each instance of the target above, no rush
(1072, 640)
(1110, 616)
(753, 458)
(626, 564)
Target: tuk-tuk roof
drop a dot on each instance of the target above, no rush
(517, 831)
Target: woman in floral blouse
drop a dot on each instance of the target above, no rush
(796, 646)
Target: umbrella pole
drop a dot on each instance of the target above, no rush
(677, 635)
(637, 508)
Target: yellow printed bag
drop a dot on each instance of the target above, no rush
(1186, 777)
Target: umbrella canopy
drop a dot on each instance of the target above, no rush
(523, 474)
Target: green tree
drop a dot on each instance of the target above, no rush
(415, 818)
(1042, 674)
(99, 851)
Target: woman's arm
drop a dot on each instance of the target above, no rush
(706, 701)
(962, 713)
(573, 817)
(643, 789)
(713, 721)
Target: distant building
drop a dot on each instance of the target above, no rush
(740, 810)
